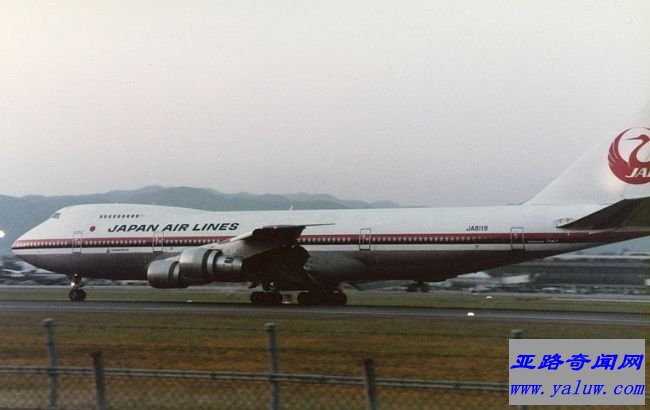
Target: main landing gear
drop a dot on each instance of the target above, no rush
(421, 286)
(76, 293)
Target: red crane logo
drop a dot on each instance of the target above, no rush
(633, 170)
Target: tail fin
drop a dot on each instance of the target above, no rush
(615, 170)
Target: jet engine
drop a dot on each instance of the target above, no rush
(164, 274)
(195, 266)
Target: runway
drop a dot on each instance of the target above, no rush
(466, 315)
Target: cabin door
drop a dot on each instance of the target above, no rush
(77, 242)
(517, 239)
(365, 237)
(158, 242)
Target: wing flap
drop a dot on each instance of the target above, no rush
(281, 234)
(261, 240)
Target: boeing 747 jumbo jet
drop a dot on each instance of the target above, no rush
(603, 198)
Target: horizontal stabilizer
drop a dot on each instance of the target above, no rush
(622, 214)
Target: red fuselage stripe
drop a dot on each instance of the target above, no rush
(375, 239)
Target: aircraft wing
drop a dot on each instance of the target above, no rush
(277, 233)
(271, 254)
(261, 240)
(267, 255)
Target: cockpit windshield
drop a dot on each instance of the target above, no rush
(56, 215)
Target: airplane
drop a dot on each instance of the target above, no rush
(602, 198)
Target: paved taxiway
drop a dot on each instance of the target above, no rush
(359, 311)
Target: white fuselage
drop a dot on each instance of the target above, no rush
(118, 241)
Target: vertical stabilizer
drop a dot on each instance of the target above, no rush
(616, 169)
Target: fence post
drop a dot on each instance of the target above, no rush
(273, 359)
(98, 367)
(518, 334)
(371, 384)
(54, 363)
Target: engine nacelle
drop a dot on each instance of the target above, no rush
(195, 266)
(165, 274)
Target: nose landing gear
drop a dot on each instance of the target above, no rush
(76, 293)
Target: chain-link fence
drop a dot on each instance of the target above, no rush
(96, 387)
(30, 387)
(66, 387)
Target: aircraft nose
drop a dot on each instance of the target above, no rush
(19, 243)
(16, 244)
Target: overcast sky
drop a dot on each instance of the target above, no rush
(420, 102)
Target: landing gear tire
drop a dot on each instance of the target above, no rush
(339, 299)
(77, 295)
(304, 298)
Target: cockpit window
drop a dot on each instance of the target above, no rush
(56, 215)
